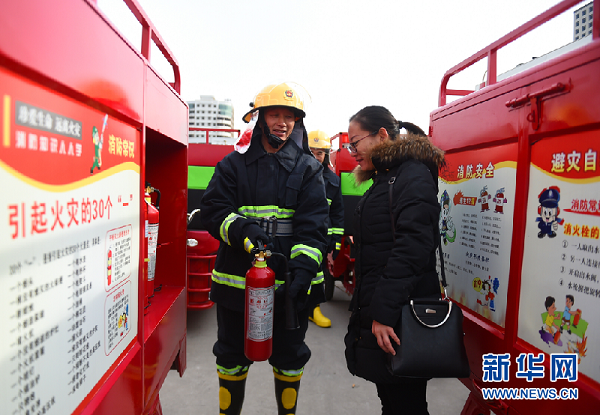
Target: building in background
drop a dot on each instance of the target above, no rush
(582, 21)
(208, 112)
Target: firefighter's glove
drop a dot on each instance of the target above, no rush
(334, 248)
(252, 234)
(300, 285)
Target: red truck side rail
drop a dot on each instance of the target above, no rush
(491, 51)
(208, 130)
(149, 35)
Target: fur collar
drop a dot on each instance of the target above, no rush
(392, 153)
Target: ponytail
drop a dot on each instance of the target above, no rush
(410, 127)
(374, 117)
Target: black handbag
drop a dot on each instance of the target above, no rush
(431, 341)
(431, 335)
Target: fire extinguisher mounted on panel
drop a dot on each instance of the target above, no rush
(150, 242)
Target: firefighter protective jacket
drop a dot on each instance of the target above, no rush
(333, 192)
(287, 185)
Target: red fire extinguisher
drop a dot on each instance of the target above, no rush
(150, 242)
(260, 308)
(577, 317)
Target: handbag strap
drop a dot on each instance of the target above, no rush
(442, 270)
(439, 244)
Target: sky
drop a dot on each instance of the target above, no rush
(345, 55)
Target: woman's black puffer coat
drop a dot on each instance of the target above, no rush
(390, 272)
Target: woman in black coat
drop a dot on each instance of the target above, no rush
(395, 241)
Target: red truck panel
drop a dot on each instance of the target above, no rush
(63, 64)
(505, 146)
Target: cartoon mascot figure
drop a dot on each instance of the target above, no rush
(549, 211)
(484, 198)
(499, 200)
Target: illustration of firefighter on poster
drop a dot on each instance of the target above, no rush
(477, 202)
(560, 282)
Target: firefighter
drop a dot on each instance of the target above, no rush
(272, 181)
(320, 145)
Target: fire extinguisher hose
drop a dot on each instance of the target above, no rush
(291, 313)
(151, 189)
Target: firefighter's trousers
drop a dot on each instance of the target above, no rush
(289, 356)
(290, 353)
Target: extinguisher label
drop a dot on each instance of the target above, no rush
(152, 240)
(260, 313)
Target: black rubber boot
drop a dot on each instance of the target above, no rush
(231, 393)
(286, 393)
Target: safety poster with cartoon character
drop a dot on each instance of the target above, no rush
(69, 246)
(560, 281)
(476, 195)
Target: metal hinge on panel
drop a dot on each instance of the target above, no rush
(535, 98)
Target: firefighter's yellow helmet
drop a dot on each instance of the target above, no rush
(318, 139)
(282, 95)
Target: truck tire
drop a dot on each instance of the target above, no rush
(329, 284)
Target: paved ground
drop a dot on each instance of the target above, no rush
(327, 387)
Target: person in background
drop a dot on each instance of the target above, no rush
(395, 238)
(320, 146)
(273, 177)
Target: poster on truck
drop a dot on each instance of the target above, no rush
(69, 247)
(476, 196)
(560, 281)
